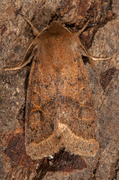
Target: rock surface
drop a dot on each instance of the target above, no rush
(102, 38)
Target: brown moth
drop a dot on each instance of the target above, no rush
(59, 107)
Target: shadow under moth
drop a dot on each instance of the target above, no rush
(59, 109)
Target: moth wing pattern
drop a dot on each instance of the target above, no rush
(59, 107)
(39, 128)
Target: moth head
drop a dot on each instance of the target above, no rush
(56, 28)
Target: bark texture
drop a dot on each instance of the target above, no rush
(102, 38)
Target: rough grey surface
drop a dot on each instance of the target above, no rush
(15, 36)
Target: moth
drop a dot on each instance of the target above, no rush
(59, 108)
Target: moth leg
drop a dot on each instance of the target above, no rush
(35, 31)
(20, 65)
(93, 65)
(99, 58)
(81, 30)
(86, 50)
(23, 62)
(91, 58)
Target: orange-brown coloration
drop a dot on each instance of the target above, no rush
(58, 84)
(59, 108)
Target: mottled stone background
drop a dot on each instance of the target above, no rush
(102, 38)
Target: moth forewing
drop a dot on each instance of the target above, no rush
(58, 84)
(59, 108)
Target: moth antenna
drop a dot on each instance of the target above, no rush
(35, 31)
